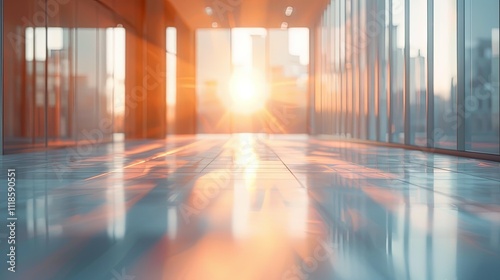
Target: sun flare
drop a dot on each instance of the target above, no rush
(248, 93)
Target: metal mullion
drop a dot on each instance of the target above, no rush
(46, 77)
(310, 119)
(430, 74)
(354, 65)
(379, 49)
(407, 139)
(367, 71)
(326, 79)
(2, 139)
(336, 70)
(390, 73)
(360, 49)
(461, 75)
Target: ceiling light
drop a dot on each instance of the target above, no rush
(209, 11)
(215, 25)
(288, 11)
(284, 25)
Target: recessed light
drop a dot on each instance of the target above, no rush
(284, 25)
(209, 11)
(215, 24)
(288, 11)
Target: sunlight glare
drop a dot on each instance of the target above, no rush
(248, 93)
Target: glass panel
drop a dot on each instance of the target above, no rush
(445, 74)
(372, 90)
(212, 48)
(363, 71)
(248, 92)
(58, 84)
(355, 49)
(288, 80)
(60, 61)
(171, 78)
(397, 70)
(86, 73)
(317, 82)
(383, 55)
(319, 77)
(482, 76)
(58, 91)
(342, 60)
(348, 69)
(335, 68)
(105, 72)
(25, 82)
(325, 111)
(327, 72)
(418, 72)
(116, 49)
(252, 90)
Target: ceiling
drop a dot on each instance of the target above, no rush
(248, 13)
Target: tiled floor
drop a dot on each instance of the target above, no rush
(252, 207)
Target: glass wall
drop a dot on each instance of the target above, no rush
(261, 81)
(64, 65)
(24, 75)
(375, 73)
(481, 76)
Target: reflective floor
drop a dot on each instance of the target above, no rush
(252, 207)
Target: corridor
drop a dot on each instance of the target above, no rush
(253, 206)
(250, 140)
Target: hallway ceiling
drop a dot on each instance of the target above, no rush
(248, 13)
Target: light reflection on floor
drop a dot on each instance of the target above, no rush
(255, 207)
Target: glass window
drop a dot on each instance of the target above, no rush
(86, 80)
(355, 49)
(60, 82)
(482, 76)
(317, 82)
(24, 55)
(60, 95)
(397, 70)
(105, 74)
(213, 47)
(342, 73)
(445, 74)
(288, 79)
(372, 30)
(348, 68)
(418, 72)
(58, 74)
(363, 71)
(171, 78)
(334, 63)
(383, 57)
(116, 38)
(248, 93)
(325, 106)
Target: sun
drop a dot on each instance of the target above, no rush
(248, 93)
